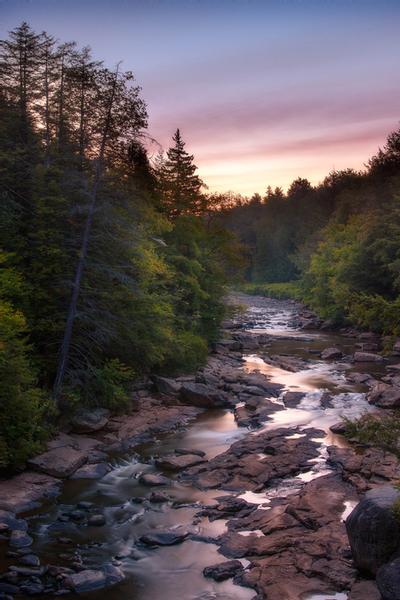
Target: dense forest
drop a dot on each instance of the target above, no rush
(335, 246)
(109, 267)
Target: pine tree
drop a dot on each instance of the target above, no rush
(180, 185)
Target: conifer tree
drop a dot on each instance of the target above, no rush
(180, 185)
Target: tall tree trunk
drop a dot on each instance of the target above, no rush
(65, 346)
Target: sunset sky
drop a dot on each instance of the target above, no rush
(263, 91)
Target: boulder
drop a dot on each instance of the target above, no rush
(166, 385)
(373, 530)
(388, 580)
(292, 399)
(331, 354)
(92, 471)
(224, 570)
(204, 396)
(367, 357)
(339, 428)
(163, 538)
(326, 400)
(20, 539)
(59, 462)
(97, 520)
(87, 421)
(89, 580)
(385, 395)
(153, 479)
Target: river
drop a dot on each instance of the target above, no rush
(171, 572)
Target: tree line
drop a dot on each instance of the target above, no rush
(112, 266)
(335, 245)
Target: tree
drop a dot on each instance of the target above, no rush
(179, 183)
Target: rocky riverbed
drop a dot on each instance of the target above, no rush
(231, 484)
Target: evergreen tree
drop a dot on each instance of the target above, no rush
(180, 185)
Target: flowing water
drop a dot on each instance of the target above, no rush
(173, 572)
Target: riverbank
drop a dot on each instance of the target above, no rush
(236, 461)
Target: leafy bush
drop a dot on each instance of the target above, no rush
(375, 430)
(22, 405)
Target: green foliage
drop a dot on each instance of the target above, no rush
(376, 430)
(23, 406)
(289, 290)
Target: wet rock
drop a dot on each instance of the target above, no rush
(9, 521)
(166, 385)
(59, 462)
(224, 570)
(88, 421)
(292, 399)
(227, 507)
(77, 515)
(183, 451)
(97, 520)
(163, 538)
(20, 539)
(385, 395)
(388, 580)
(331, 354)
(8, 588)
(340, 428)
(92, 471)
(373, 529)
(359, 377)
(367, 357)
(288, 363)
(89, 580)
(176, 463)
(153, 479)
(158, 497)
(30, 560)
(32, 588)
(326, 400)
(85, 505)
(203, 396)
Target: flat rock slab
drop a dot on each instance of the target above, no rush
(299, 546)
(176, 463)
(254, 461)
(59, 462)
(25, 491)
(367, 357)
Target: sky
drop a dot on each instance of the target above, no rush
(263, 91)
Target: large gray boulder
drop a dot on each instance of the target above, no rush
(388, 580)
(331, 354)
(166, 385)
(204, 396)
(88, 421)
(373, 529)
